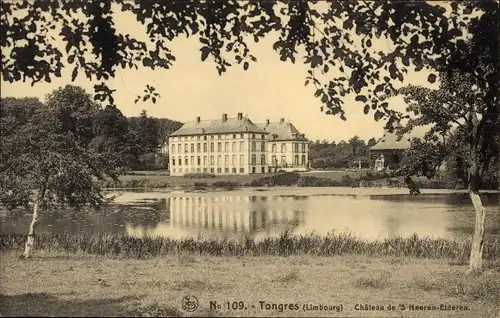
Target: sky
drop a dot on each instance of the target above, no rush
(269, 89)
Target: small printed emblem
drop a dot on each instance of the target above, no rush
(189, 303)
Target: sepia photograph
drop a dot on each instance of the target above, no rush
(250, 158)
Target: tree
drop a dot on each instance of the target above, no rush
(340, 35)
(465, 106)
(75, 111)
(46, 167)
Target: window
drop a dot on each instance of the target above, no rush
(219, 146)
(173, 148)
(204, 137)
(233, 160)
(254, 146)
(180, 161)
(173, 169)
(192, 147)
(242, 170)
(219, 170)
(173, 161)
(296, 160)
(212, 160)
(211, 147)
(226, 147)
(192, 160)
(198, 147)
(205, 147)
(304, 147)
(253, 136)
(263, 159)
(263, 136)
(205, 169)
(283, 147)
(262, 146)
(242, 135)
(253, 169)
(242, 160)
(242, 146)
(263, 170)
(234, 146)
(211, 170)
(226, 170)
(212, 137)
(254, 160)
(219, 160)
(296, 147)
(179, 148)
(204, 160)
(199, 160)
(283, 161)
(274, 148)
(186, 161)
(303, 160)
(185, 147)
(197, 137)
(234, 136)
(219, 137)
(234, 170)
(226, 160)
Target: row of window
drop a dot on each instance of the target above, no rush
(187, 147)
(284, 163)
(274, 160)
(253, 147)
(211, 170)
(219, 137)
(283, 147)
(219, 160)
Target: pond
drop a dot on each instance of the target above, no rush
(259, 213)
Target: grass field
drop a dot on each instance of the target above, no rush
(58, 284)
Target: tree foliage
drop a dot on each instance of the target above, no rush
(325, 155)
(45, 164)
(333, 35)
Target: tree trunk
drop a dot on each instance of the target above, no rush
(476, 253)
(31, 234)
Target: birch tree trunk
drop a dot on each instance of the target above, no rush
(31, 234)
(476, 253)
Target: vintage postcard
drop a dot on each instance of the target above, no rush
(263, 158)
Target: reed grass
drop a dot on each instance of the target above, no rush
(284, 245)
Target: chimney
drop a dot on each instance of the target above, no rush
(240, 116)
(282, 120)
(198, 120)
(267, 122)
(224, 118)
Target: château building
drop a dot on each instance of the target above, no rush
(236, 146)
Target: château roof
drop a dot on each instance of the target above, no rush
(389, 141)
(282, 130)
(218, 126)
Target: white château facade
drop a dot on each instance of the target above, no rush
(236, 146)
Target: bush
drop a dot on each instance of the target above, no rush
(310, 181)
(225, 184)
(283, 179)
(200, 185)
(199, 175)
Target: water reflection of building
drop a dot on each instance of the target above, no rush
(246, 214)
(228, 216)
